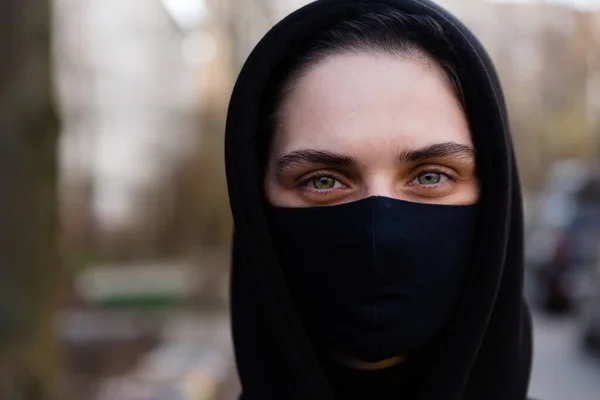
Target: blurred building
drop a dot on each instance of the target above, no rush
(128, 98)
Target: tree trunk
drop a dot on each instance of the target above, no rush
(29, 265)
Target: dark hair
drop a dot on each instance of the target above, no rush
(387, 31)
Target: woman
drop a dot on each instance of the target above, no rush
(377, 250)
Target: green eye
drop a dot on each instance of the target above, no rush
(323, 182)
(429, 178)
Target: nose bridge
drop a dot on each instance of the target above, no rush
(380, 184)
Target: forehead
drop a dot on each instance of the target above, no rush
(356, 102)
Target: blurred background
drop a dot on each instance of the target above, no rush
(118, 290)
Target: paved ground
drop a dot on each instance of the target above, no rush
(563, 369)
(192, 361)
(194, 356)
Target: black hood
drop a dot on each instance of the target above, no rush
(485, 351)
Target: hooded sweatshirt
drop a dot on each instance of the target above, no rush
(484, 351)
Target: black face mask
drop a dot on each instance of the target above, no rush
(375, 278)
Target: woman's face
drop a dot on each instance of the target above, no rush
(360, 125)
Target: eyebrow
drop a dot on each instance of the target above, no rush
(438, 150)
(299, 158)
(303, 157)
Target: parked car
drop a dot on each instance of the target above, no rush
(586, 253)
(567, 276)
(547, 250)
(590, 309)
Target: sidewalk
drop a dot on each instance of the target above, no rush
(193, 361)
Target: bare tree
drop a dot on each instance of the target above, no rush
(29, 273)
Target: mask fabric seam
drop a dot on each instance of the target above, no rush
(376, 272)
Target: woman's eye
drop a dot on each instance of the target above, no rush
(430, 178)
(324, 183)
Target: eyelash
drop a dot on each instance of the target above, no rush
(435, 171)
(306, 182)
